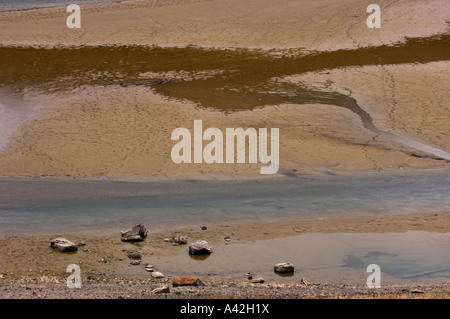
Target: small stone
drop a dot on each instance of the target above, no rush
(258, 280)
(186, 281)
(204, 228)
(167, 240)
(417, 291)
(161, 290)
(227, 238)
(135, 255)
(157, 275)
(135, 262)
(81, 243)
(63, 245)
(200, 247)
(284, 268)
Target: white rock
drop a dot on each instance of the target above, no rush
(200, 247)
(63, 244)
(157, 274)
(161, 290)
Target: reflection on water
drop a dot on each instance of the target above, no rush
(334, 258)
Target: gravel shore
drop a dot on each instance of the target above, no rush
(116, 288)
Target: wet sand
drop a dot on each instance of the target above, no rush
(104, 259)
(118, 108)
(315, 25)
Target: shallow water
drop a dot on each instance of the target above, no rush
(36, 206)
(30, 4)
(325, 258)
(227, 80)
(13, 112)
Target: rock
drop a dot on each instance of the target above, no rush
(227, 238)
(284, 268)
(203, 227)
(258, 280)
(136, 233)
(81, 243)
(305, 282)
(161, 290)
(63, 244)
(179, 240)
(186, 281)
(157, 275)
(135, 255)
(249, 275)
(135, 262)
(200, 247)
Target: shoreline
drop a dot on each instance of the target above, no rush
(313, 175)
(123, 288)
(42, 271)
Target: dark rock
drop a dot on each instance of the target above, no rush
(284, 268)
(258, 280)
(200, 247)
(136, 233)
(417, 291)
(204, 227)
(179, 240)
(186, 281)
(63, 244)
(135, 255)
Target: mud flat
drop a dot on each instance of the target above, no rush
(338, 271)
(314, 25)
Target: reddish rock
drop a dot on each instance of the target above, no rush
(186, 281)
